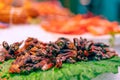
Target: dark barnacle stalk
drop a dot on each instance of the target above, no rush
(99, 44)
(38, 55)
(60, 43)
(11, 48)
(2, 54)
(30, 62)
(5, 45)
(9, 51)
(76, 43)
(53, 48)
(14, 47)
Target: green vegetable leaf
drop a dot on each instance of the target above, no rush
(77, 71)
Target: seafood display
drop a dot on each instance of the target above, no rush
(80, 24)
(35, 54)
(55, 18)
(53, 8)
(9, 13)
(29, 10)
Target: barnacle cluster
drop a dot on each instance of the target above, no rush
(35, 54)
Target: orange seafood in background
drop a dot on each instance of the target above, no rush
(6, 2)
(30, 10)
(16, 18)
(19, 16)
(80, 24)
(46, 8)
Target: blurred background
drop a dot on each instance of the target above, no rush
(98, 17)
(110, 9)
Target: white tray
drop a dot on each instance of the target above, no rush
(21, 32)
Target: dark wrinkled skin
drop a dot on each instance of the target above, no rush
(30, 62)
(35, 54)
(9, 51)
(5, 45)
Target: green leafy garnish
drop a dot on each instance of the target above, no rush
(77, 71)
